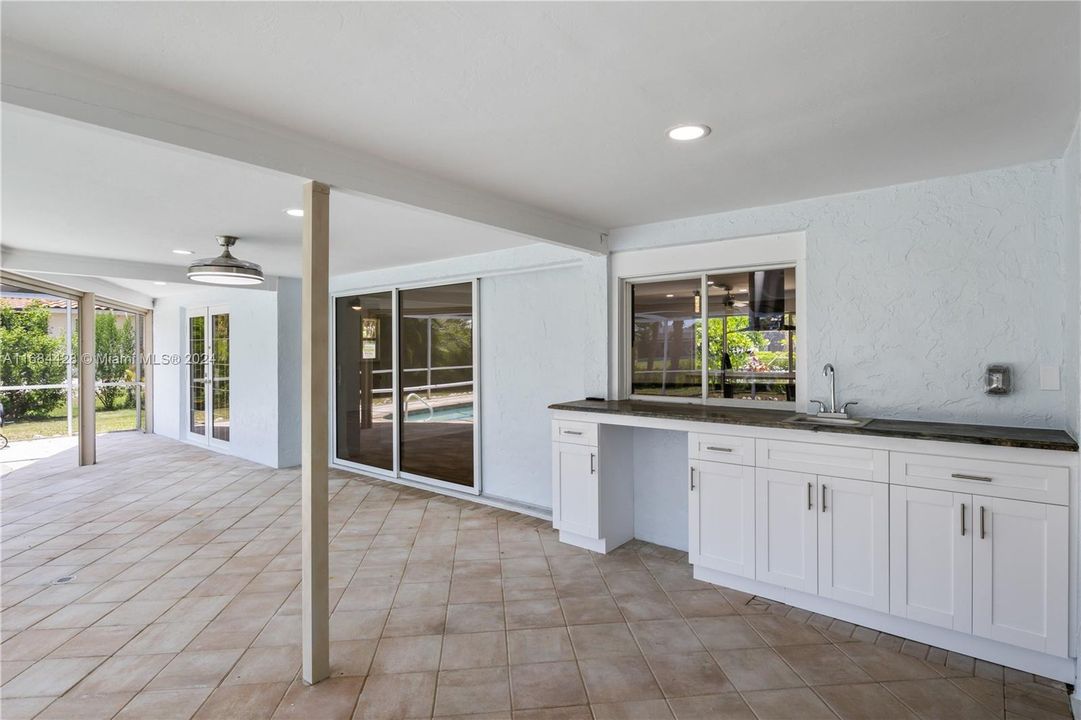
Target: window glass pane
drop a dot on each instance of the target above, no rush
(752, 335)
(219, 364)
(365, 379)
(197, 375)
(436, 348)
(666, 357)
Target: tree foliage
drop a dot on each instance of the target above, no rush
(29, 355)
(115, 350)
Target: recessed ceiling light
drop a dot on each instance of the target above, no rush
(294, 212)
(159, 282)
(685, 133)
(184, 252)
(669, 295)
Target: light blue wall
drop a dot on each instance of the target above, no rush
(913, 289)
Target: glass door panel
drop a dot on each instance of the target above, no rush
(364, 400)
(197, 375)
(436, 383)
(219, 365)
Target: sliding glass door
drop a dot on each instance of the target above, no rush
(405, 388)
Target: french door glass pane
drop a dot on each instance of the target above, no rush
(665, 346)
(197, 375)
(364, 341)
(436, 380)
(219, 364)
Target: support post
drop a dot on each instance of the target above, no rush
(88, 370)
(315, 352)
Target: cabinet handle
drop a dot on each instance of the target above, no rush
(962, 476)
(718, 449)
(983, 524)
(810, 495)
(572, 432)
(592, 464)
(962, 519)
(692, 479)
(823, 497)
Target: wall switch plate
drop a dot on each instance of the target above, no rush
(996, 380)
(1049, 378)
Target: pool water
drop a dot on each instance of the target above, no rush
(451, 412)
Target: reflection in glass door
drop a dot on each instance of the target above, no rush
(436, 380)
(364, 397)
(405, 392)
(208, 375)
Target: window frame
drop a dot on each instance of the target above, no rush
(700, 260)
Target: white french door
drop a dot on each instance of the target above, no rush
(207, 376)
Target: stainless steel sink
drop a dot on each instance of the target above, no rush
(812, 420)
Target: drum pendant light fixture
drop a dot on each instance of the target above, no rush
(225, 269)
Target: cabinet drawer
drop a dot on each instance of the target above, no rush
(1016, 481)
(571, 431)
(838, 461)
(722, 448)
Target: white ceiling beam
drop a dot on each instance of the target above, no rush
(46, 263)
(55, 85)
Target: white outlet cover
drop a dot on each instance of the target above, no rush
(1049, 378)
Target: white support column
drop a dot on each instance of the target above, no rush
(315, 350)
(88, 370)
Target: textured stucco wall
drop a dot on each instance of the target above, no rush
(913, 289)
(288, 372)
(253, 328)
(1071, 200)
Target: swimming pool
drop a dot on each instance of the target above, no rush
(444, 414)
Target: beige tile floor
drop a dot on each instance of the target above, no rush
(185, 603)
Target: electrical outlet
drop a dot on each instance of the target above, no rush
(1049, 378)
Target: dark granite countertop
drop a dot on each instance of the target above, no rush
(1037, 438)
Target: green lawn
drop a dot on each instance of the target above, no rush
(28, 429)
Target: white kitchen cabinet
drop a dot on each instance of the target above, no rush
(1019, 573)
(854, 542)
(931, 556)
(786, 529)
(575, 489)
(722, 518)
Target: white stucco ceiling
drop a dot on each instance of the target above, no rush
(563, 105)
(78, 189)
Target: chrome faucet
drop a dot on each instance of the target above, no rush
(833, 412)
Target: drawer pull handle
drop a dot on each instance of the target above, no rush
(572, 432)
(962, 519)
(823, 497)
(718, 449)
(983, 524)
(692, 479)
(963, 476)
(592, 464)
(810, 495)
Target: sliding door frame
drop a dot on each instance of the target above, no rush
(396, 472)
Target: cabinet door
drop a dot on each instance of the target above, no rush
(854, 542)
(931, 556)
(575, 506)
(722, 517)
(786, 548)
(1019, 572)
